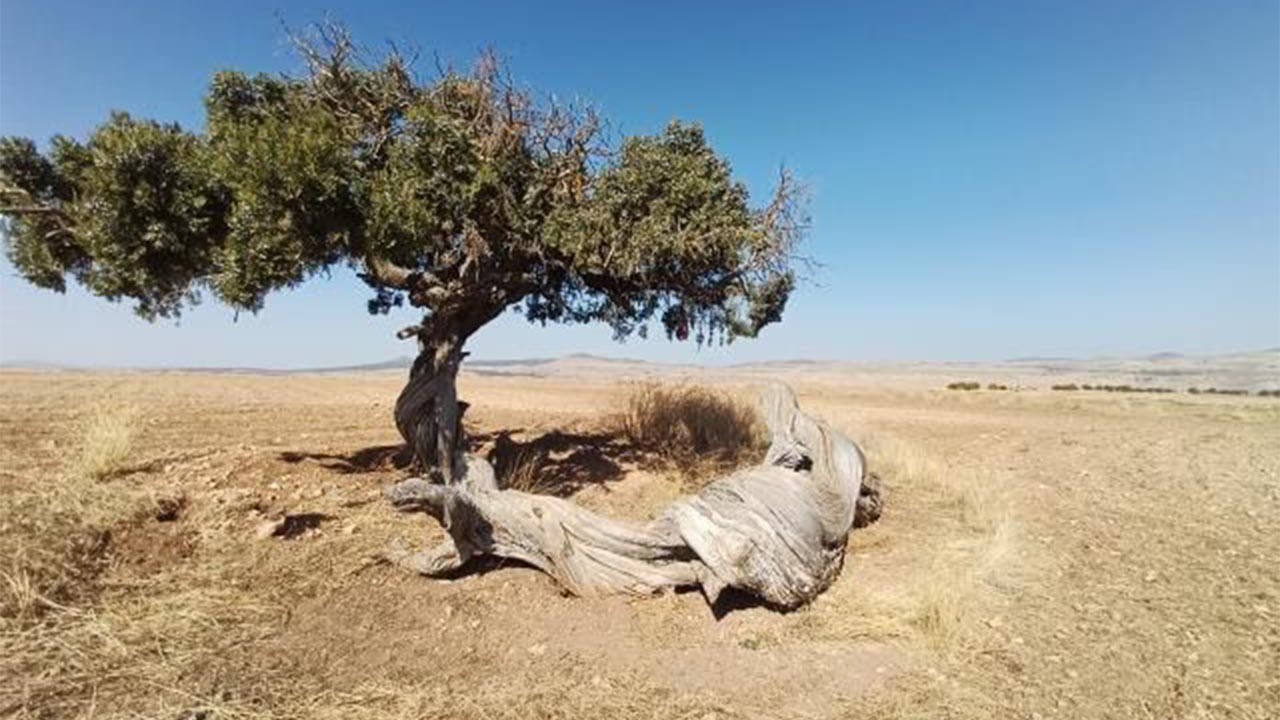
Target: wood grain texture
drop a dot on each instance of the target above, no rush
(776, 530)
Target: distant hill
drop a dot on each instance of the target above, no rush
(1256, 370)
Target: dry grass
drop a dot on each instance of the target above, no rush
(125, 646)
(965, 545)
(107, 437)
(697, 429)
(524, 472)
(1038, 555)
(56, 528)
(69, 642)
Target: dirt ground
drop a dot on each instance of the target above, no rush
(1040, 555)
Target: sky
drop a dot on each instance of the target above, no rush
(989, 179)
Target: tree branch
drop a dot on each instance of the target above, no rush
(386, 273)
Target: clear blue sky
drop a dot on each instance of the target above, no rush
(990, 179)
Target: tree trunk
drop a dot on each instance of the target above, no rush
(777, 530)
(428, 414)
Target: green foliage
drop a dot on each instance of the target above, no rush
(463, 196)
(134, 212)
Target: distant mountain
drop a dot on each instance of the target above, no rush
(401, 362)
(1163, 363)
(1039, 359)
(510, 363)
(31, 365)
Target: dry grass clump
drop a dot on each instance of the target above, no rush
(524, 472)
(106, 440)
(691, 425)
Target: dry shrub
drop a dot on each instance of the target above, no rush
(691, 426)
(524, 472)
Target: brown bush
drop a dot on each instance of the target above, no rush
(685, 423)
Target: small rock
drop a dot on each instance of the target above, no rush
(538, 650)
(995, 622)
(350, 529)
(1150, 576)
(268, 529)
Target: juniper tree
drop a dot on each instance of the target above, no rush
(461, 195)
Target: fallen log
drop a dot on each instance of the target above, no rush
(776, 530)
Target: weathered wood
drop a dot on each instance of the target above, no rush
(777, 530)
(428, 414)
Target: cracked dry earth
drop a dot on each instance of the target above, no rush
(1040, 556)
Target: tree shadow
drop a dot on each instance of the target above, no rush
(294, 525)
(732, 600)
(557, 463)
(485, 564)
(378, 458)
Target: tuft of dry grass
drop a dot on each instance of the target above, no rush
(524, 472)
(106, 440)
(691, 426)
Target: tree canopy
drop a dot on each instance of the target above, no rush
(461, 195)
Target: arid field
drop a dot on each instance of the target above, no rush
(205, 545)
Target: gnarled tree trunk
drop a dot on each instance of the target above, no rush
(777, 530)
(428, 414)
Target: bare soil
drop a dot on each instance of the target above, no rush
(1039, 556)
